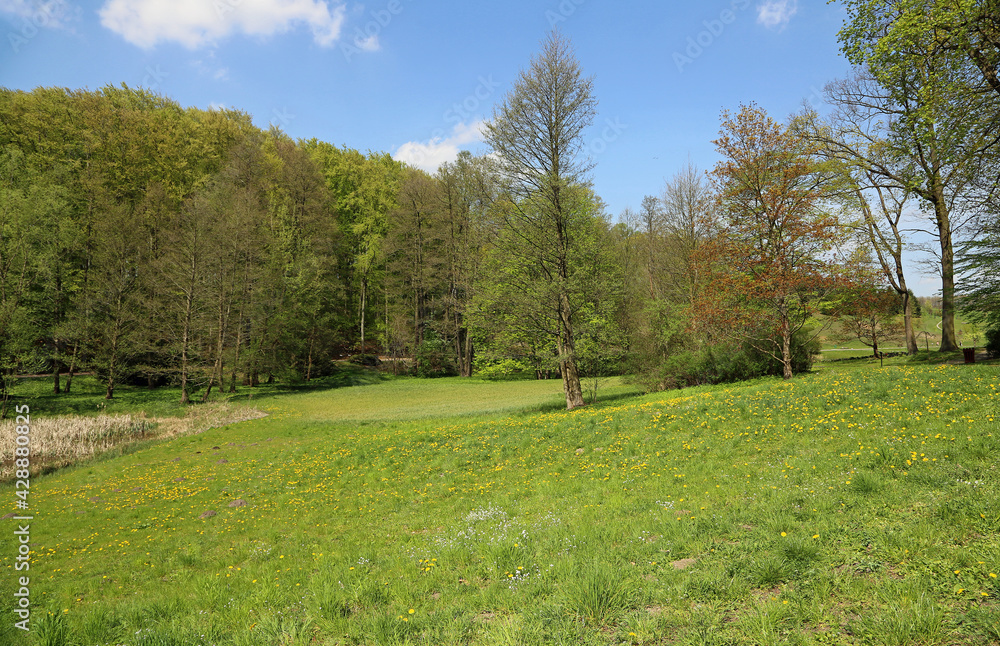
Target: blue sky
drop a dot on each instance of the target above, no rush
(415, 78)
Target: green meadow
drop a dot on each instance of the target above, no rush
(857, 504)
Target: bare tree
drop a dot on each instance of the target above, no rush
(910, 139)
(686, 218)
(883, 231)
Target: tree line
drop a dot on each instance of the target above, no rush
(149, 243)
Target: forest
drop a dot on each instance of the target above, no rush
(148, 243)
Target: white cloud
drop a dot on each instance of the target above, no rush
(194, 23)
(429, 155)
(54, 13)
(775, 14)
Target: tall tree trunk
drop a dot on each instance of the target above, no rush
(895, 275)
(949, 341)
(236, 352)
(220, 373)
(465, 352)
(911, 338)
(208, 391)
(786, 344)
(4, 396)
(567, 357)
(112, 367)
(72, 367)
(470, 354)
(185, 338)
(309, 359)
(185, 397)
(55, 377)
(364, 294)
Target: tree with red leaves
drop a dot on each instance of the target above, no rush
(770, 258)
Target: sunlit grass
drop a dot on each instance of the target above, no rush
(768, 512)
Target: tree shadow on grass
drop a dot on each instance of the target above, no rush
(87, 397)
(602, 400)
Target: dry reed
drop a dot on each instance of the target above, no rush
(63, 440)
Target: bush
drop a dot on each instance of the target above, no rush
(729, 362)
(506, 368)
(369, 360)
(993, 342)
(433, 358)
(682, 369)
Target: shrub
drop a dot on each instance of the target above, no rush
(728, 362)
(433, 358)
(369, 360)
(506, 368)
(993, 342)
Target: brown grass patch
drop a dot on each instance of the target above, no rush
(683, 564)
(65, 440)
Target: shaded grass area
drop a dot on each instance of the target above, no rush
(353, 393)
(87, 395)
(849, 506)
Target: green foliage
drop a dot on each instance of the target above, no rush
(434, 358)
(731, 362)
(993, 342)
(930, 85)
(515, 310)
(550, 253)
(500, 369)
(981, 285)
(160, 244)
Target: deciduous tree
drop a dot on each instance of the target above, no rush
(537, 132)
(770, 259)
(915, 93)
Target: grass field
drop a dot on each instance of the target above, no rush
(855, 505)
(837, 343)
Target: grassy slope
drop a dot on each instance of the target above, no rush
(855, 505)
(838, 344)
